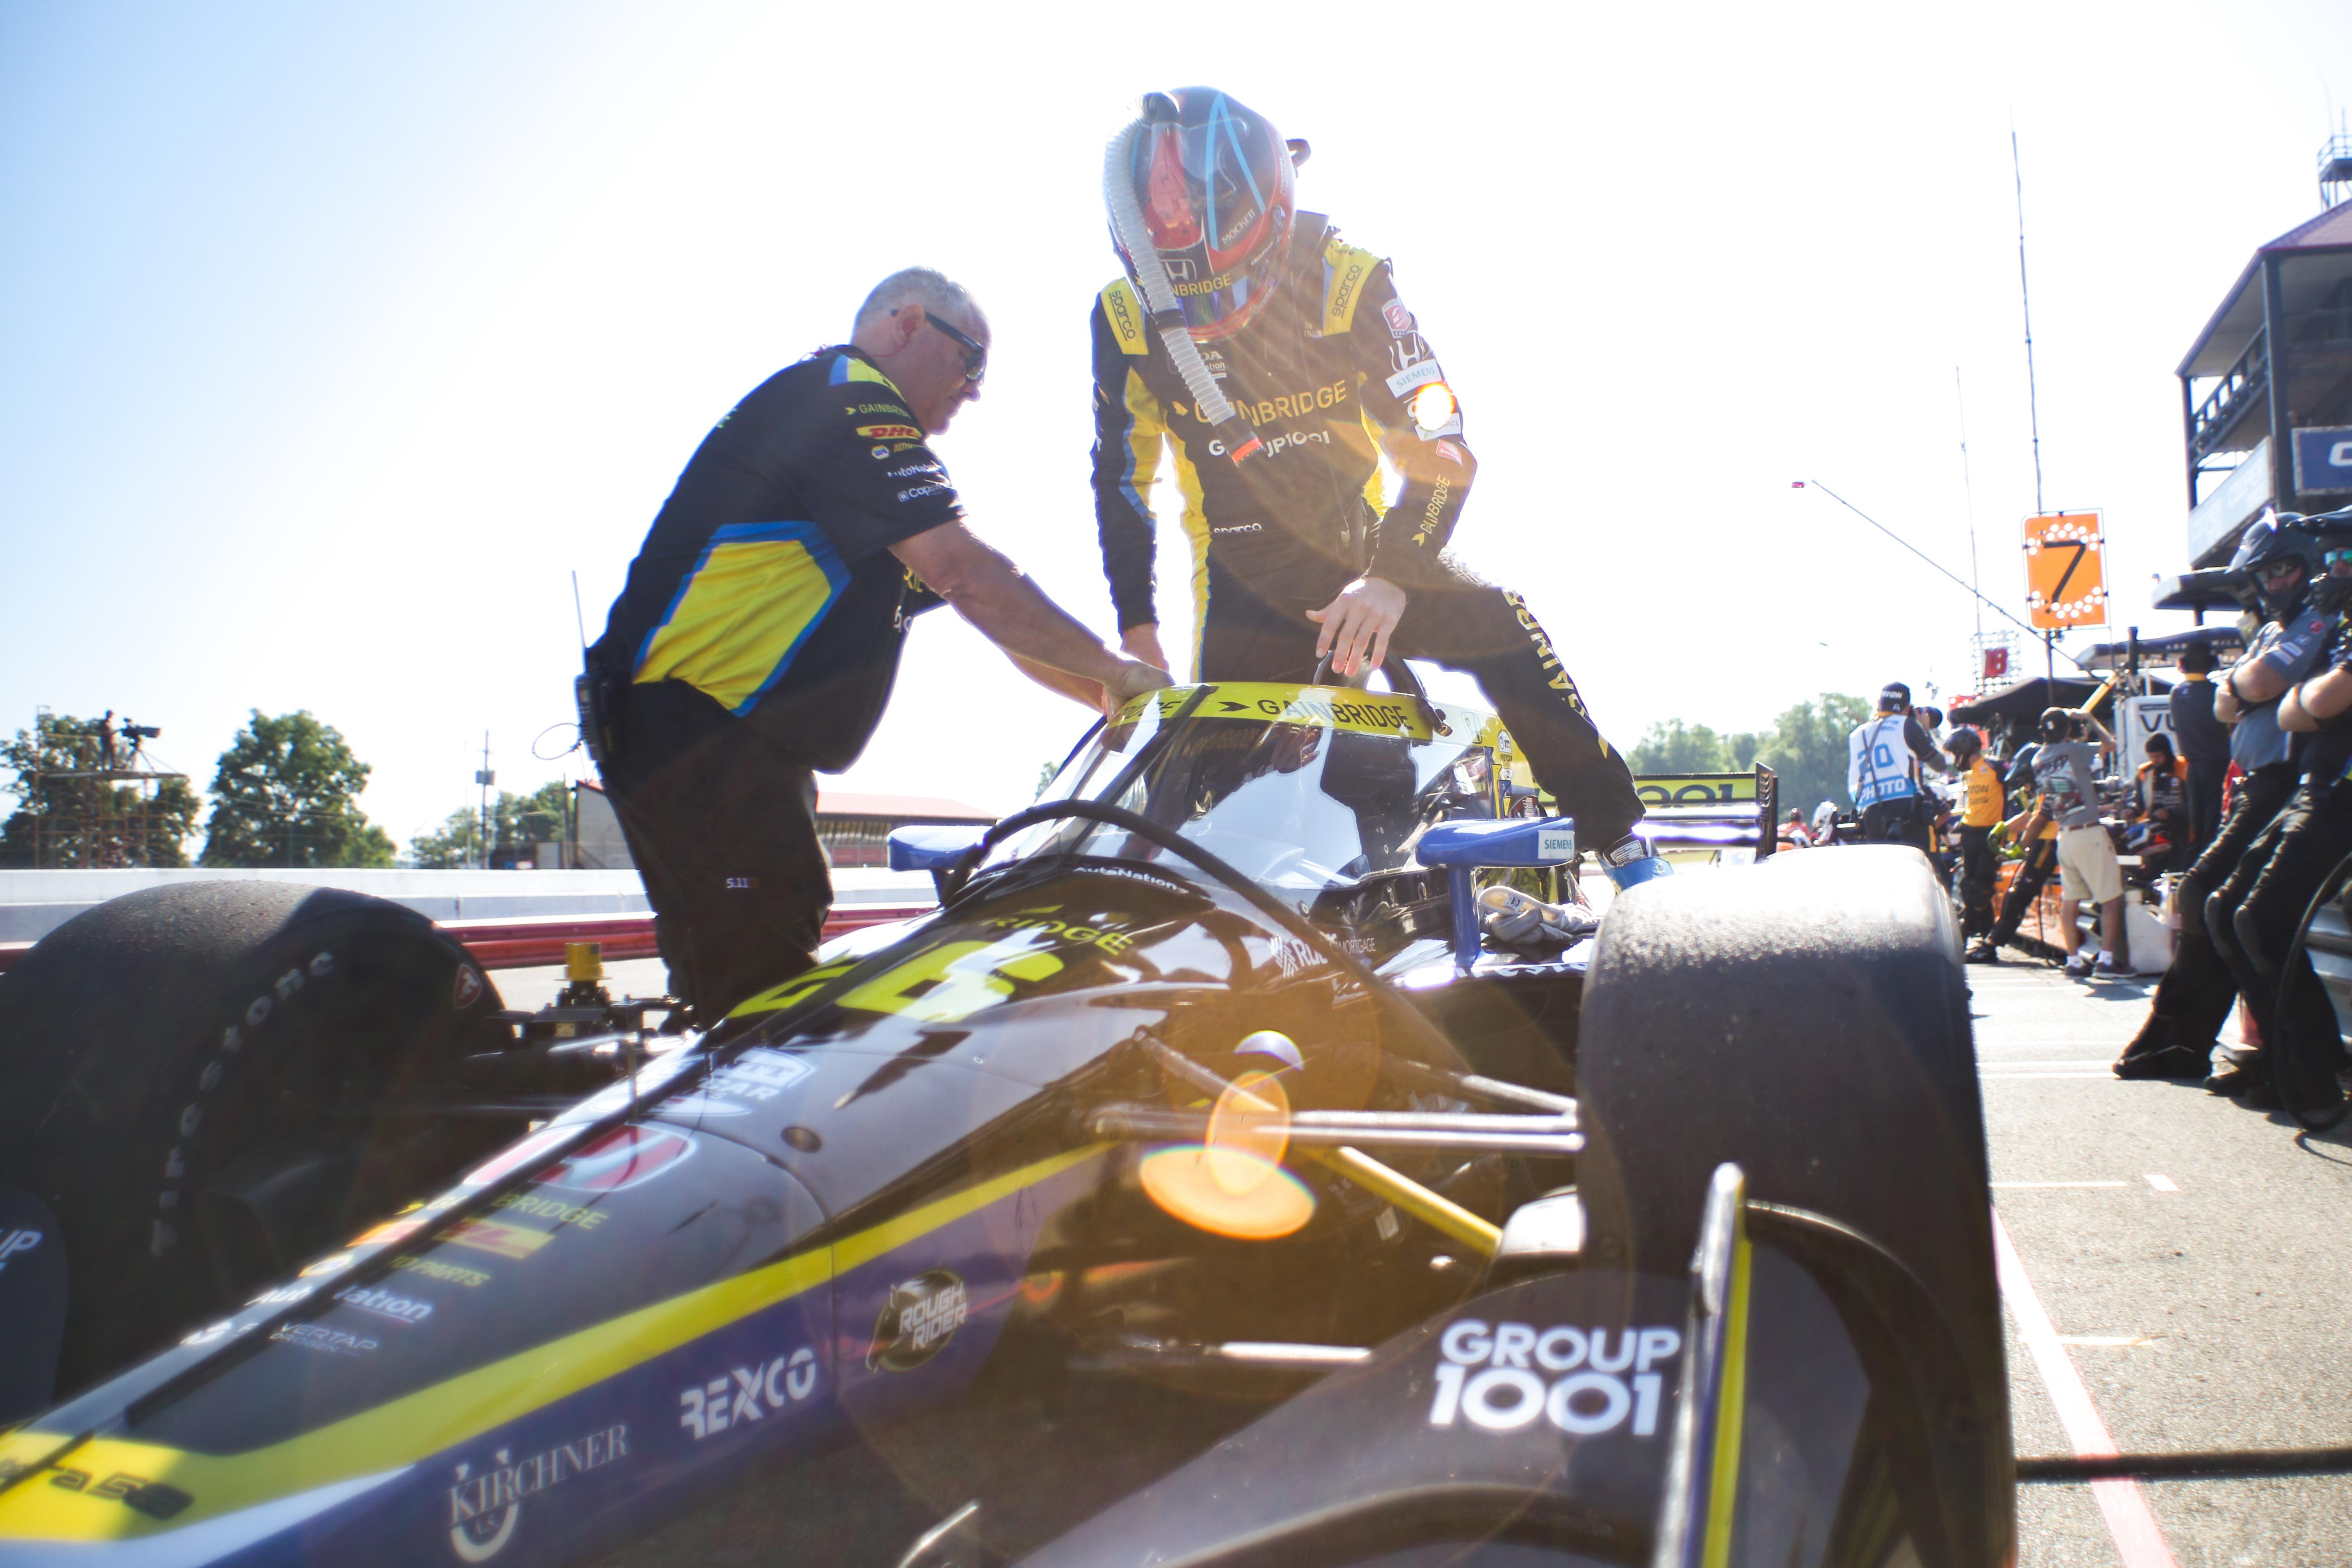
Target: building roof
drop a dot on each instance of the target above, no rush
(2234, 324)
(904, 807)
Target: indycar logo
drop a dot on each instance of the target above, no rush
(746, 1394)
(483, 1507)
(1494, 1378)
(918, 1318)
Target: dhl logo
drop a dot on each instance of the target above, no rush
(890, 431)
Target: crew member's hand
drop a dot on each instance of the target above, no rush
(1143, 642)
(1130, 680)
(1357, 625)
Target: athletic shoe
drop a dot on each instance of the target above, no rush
(1981, 951)
(2107, 971)
(2166, 1061)
(2078, 968)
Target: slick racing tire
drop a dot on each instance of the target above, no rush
(1808, 1020)
(2307, 1063)
(209, 1084)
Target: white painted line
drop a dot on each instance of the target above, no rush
(1998, 1185)
(2123, 1505)
(2036, 1076)
(2162, 1184)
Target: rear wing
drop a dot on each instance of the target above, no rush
(1712, 811)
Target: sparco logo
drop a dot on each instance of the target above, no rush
(1496, 1379)
(483, 1506)
(918, 1321)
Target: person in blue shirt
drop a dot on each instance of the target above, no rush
(1883, 761)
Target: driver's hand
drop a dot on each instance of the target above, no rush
(1130, 680)
(1357, 625)
(1143, 642)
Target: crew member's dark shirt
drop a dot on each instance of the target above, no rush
(767, 580)
(2327, 754)
(2201, 736)
(1328, 374)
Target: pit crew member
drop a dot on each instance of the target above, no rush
(2065, 772)
(1979, 810)
(759, 633)
(1314, 370)
(2193, 999)
(1883, 758)
(2204, 745)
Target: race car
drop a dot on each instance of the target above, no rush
(1200, 1184)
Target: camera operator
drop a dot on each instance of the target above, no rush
(2194, 998)
(1883, 758)
(2065, 770)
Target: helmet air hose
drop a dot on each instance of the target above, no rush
(1151, 276)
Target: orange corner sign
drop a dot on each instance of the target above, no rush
(2066, 571)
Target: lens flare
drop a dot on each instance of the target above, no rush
(1249, 1132)
(1180, 1180)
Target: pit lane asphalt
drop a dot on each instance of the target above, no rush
(2218, 1316)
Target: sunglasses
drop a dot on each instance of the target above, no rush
(2332, 559)
(975, 355)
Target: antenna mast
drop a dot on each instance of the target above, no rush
(2025, 304)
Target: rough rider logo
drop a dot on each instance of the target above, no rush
(918, 1318)
(483, 1507)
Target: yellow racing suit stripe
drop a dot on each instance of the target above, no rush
(744, 610)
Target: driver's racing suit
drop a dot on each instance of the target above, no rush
(1324, 375)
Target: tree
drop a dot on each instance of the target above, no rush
(1806, 747)
(538, 818)
(1674, 747)
(286, 793)
(89, 822)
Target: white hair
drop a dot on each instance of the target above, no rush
(922, 286)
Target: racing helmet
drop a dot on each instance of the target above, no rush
(1964, 744)
(2331, 590)
(1216, 181)
(2271, 539)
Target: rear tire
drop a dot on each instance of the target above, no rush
(1808, 1019)
(210, 1083)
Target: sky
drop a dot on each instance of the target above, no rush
(336, 339)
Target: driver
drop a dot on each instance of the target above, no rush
(1280, 371)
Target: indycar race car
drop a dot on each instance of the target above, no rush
(1200, 1184)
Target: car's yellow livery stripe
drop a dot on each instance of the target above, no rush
(430, 1420)
(1324, 707)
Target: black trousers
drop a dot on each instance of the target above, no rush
(2205, 777)
(2041, 865)
(2253, 917)
(722, 825)
(1978, 870)
(2193, 999)
(1897, 822)
(1259, 631)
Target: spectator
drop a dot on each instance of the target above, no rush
(2065, 772)
(2033, 829)
(2204, 747)
(1824, 825)
(1792, 831)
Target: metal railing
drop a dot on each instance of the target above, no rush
(2227, 403)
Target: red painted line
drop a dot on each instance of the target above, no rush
(2122, 1503)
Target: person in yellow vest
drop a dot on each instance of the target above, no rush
(1278, 366)
(1979, 810)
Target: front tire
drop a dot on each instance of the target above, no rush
(212, 1082)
